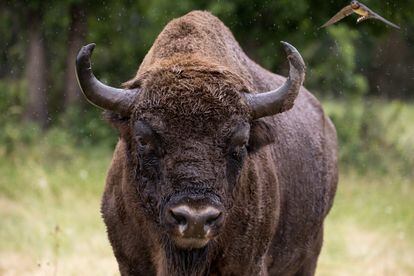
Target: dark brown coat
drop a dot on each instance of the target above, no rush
(276, 199)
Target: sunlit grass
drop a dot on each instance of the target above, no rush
(370, 228)
(50, 220)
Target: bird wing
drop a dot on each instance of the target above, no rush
(375, 15)
(378, 17)
(340, 15)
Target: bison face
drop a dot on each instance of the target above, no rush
(188, 149)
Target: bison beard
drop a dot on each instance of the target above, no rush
(222, 168)
(186, 262)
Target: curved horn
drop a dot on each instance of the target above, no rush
(99, 94)
(281, 99)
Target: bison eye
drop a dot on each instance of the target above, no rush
(237, 153)
(142, 141)
(143, 133)
(146, 139)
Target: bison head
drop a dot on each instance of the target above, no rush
(189, 126)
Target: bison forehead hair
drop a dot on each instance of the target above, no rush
(190, 89)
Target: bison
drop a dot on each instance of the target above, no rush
(221, 168)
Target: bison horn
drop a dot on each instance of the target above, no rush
(99, 94)
(280, 100)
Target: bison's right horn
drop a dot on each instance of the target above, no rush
(99, 94)
(280, 100)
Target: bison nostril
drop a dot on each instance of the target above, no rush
(179, 218)
(210, 220)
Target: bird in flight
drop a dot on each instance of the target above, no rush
(360, 9)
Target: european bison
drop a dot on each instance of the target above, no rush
(222, 168)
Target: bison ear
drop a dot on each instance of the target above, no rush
(117, 121)
(260, 135)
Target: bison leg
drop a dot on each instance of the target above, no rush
(308, 267)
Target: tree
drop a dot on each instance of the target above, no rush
(36, 76)
(76, 39)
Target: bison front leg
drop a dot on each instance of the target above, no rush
(308, 267)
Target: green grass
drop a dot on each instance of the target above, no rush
(370, 228)
(49, 208)
(51, 225)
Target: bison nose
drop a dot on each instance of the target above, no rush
(194, 223)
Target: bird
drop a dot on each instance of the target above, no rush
(360, 9)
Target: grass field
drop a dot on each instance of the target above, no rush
(50, 221)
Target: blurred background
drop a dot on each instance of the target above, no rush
(55, 148)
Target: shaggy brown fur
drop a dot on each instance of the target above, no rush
(180, 141)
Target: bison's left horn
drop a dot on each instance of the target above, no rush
(280, 100)
(99, 94)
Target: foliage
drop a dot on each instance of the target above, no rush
(374, 137)
(337, 54)
(124, 31)
(87, 127)
(78, 126)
